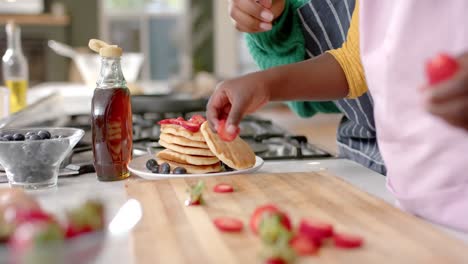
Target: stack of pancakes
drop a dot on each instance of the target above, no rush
(187, 149)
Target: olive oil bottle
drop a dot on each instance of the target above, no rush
(15, 68)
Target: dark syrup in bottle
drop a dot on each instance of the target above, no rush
(112, 133)
(111, 114)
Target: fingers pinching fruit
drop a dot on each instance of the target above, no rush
(253, 16)
(447, 93)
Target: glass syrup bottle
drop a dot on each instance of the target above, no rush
(111, 115)
(15, 68)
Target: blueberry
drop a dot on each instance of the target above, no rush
(165, 168)
(151, 163)
(18, 137)
(155, 169)
(34, 137)
(44, 134)
(227, 168)
(29, 134)
(180, 170)
(8, 137)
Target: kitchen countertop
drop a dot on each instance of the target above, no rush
(72, 191)
(320, 130)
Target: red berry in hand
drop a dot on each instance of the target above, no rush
(441, 68)
(223, 134)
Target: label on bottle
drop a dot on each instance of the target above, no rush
(18, 89)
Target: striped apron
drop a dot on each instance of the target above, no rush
(325, 25)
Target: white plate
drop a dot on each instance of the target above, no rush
(138, 167)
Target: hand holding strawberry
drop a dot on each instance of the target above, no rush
(233, 99)
(447, 96)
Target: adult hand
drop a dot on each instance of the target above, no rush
(235, 98)
(254, 16)
(449, 99)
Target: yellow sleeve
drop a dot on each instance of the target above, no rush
(350, 60)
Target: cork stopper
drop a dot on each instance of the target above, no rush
(11, 26)
(104, 49)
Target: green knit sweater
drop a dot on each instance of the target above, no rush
(285, 44)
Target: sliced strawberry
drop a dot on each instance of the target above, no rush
(303, 246)
(33, 215)
(441, 68)
(197, 119)
(165, 122)
(74, 231)
(227, 224)
(223, 134)
(265, 211)
(275, 261)
(347, 241)
(315, 230)
(190, 126)
(89, 217)
(223, 188)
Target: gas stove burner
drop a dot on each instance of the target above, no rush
(267, 140)
(258, 148)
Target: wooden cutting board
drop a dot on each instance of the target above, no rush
(173, 233)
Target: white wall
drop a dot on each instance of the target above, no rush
(226, 42)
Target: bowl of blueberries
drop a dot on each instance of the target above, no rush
(31, 157)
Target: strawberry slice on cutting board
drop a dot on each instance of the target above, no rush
(229, 224)
(347, 241)
(267, 211)
(223, 188)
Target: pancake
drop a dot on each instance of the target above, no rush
(237, 154)
(168, 154)
(182, 132)
(182, 141)
(187, 150)
(194, 169)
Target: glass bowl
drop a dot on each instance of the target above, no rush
(34, 164)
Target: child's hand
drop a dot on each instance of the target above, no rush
(254, 16)
(235, 98)
(449, 99)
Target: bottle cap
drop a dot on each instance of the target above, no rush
(104, 49)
